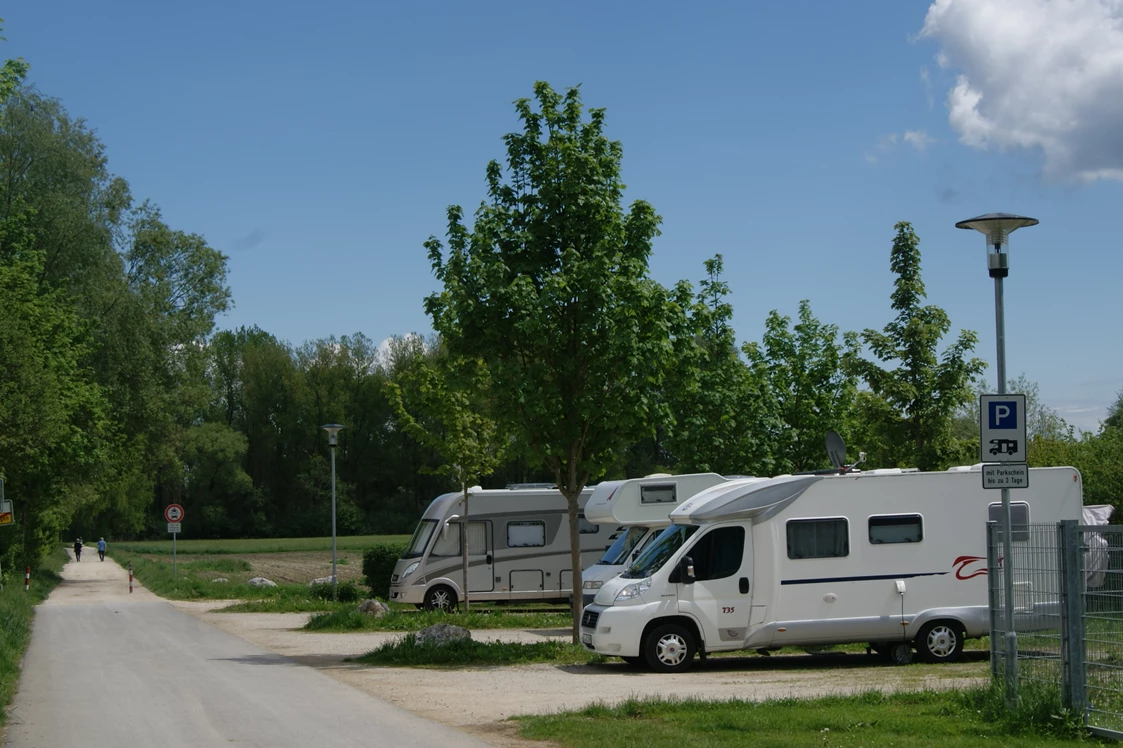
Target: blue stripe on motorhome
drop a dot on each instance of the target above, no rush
(864, 579)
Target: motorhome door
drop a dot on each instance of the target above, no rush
(481, 557)
(721, 597)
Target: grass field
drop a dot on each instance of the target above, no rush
(959, 719)
(17, 608)
(256, 545)
(469, 653)
(409, 619)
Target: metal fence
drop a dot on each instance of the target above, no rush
(1068, 614)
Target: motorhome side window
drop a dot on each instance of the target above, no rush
(1019, 518)
(818, 538)
(448, 544)
(585, 527)
(897, 528)
(718, 554)
(526, 534)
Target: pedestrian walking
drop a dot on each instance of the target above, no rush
(78, 549)
(101, 548)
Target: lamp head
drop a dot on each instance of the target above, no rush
(333, 430)
(997, 227)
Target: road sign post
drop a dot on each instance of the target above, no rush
(173, 513)
(1002, 440)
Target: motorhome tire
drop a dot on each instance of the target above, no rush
(440, 598)
(900, 653)
(669, 648)
(940, 641)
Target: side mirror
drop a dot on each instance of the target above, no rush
(687, 566)
(444, 530)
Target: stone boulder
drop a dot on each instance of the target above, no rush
(441, 633)
(261, 582)
(373, 607)
(220, 580)
(320, 580)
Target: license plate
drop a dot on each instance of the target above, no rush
(587, 638)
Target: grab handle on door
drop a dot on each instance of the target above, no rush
(743, 583)
(487, 559)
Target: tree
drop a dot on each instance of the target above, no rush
(1114, 416)
(718, 416)
(549, 288)
(468, 441)
(810, 383)
(909, 411)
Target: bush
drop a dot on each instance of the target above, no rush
(378, 566)
(348, 592)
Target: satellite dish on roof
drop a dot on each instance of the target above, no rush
(836, 449)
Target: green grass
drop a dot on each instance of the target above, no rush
(17, 609)
(192, 580)
(975, 717)
(349, 619)
(468, 653)
(288, 603)
(256, 545)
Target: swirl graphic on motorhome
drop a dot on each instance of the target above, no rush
(963, 568)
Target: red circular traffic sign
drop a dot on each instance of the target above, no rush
(173, 513)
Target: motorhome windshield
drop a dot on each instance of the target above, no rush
(617, 553)
(420, 539)
(658, 552)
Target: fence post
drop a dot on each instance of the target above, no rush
(1073, 680)
(993, 573)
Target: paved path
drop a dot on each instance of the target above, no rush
(106, 669)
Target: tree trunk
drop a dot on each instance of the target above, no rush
(575, 562)
(464, 547)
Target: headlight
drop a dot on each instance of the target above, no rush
(410, 569)
(634, 590)
(592, 585)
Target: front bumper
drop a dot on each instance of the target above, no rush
(613, 630)
(411, 594)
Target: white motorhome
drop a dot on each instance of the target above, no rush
(639, 509)
(890, 557)
(518, 548)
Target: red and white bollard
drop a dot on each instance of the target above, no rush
(26, 578)
(130, 577)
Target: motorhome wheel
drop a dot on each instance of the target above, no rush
(440, 598)
(669, 648)
(940, 641)
(900, 653)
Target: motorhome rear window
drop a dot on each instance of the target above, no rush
(818, 538)
(526, 534)
(897, 528)
(1019, 518)
(662, 493)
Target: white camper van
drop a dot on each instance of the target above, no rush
(639, 509)
(890, 557)
(518, 548)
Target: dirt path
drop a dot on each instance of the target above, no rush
(478, 700)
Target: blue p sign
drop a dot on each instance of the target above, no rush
(1002, 414)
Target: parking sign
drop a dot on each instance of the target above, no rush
(1002, 428)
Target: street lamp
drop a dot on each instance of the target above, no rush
(997, 228)
(333, 430)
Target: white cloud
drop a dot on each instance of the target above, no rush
(918, 139)
(1043, 74)
(927, 81)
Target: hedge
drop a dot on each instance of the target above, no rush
(378, 566)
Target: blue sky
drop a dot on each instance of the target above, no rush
(319, 145)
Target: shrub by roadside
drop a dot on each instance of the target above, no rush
(378, 565)
(405, 652)
(17, 610)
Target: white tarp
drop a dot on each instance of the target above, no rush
(1096, 557)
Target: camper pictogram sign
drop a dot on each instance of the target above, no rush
(1002, 428)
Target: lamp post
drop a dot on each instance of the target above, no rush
(997, 228)
(333, 430)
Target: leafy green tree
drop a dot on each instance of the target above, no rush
(810, 383)
(1114, 419)
(717, 402)
(550, 289)
(909, 411)
(54, 426)
(12, 73)
(467, 440)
